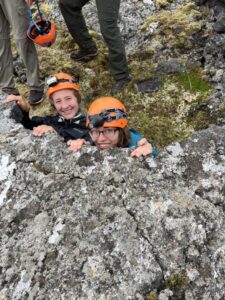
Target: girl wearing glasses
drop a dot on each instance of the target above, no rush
(69, 121)
(107, 124)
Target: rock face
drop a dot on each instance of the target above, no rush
(105, 226)
(97, 225)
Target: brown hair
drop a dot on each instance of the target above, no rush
(124, 137)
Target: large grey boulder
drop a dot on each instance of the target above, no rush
(97, 225)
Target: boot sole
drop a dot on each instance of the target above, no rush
(36, 102)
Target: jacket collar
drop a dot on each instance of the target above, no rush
(76, 119)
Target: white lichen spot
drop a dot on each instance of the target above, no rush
(149, 2)
(195, 140)
(210, 165)
(23, 286)
(6, 170)
(192, 274)
(206, 183)
(55, 238)
(90, 170)
(151, 162)
(175, 149)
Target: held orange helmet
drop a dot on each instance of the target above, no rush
(61, 81)
(107, 112)
(42, 32)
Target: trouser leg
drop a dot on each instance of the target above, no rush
(72, 14)
(17, 15)
(6, 59)
(108, 11)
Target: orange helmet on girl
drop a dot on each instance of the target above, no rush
(61, 81)
(107, 112)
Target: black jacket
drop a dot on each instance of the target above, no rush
(68, 129)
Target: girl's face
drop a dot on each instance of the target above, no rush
(65, 103)
(105, 137)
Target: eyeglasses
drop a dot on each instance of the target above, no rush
(107, 132)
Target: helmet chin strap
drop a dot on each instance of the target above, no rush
(39, 13)
(32, 20)
(38, 8)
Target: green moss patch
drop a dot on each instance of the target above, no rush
(176, 26)
(192, 81)
(177, 283)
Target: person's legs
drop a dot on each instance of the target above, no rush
(17, 15)
(72, 14)
(7, 83)
(108, 16)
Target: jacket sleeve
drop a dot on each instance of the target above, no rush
(31, 123)
(72, 133)
(135, 137)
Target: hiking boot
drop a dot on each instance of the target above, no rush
(11, 91)
(200, 2)
(119, 85)
(84, 54)
(36, 97)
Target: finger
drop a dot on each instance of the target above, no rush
(141, 151)
(142, 142)
(37, 131)
(74, 148)
(9, 98)
(135, 153)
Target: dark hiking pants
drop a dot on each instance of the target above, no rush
(108, 11)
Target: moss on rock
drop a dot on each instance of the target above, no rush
(177, 283)
(177, 25)
(152, 296)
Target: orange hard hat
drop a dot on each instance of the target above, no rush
(61, 81)
(42, 32)
(107, 112)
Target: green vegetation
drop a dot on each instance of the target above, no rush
(192, 81)
(169, 115)
(176, 26)
(177, 283)
(151, 296)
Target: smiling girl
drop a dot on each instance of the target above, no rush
(107, 124)
(69, 121)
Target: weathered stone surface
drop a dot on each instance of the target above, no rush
(97, 225)
(148, 85)
(105, 226)
(169, 67)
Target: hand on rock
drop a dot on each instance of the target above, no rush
(144, 148)
(42, 129)
(76, 145)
